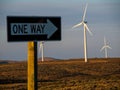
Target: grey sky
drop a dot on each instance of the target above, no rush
(103, 18)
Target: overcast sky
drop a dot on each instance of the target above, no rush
(103, 17)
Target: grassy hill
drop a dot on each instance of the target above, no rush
(73, 74)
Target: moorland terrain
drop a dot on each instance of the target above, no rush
(72, 74)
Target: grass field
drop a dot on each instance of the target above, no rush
(74, 74)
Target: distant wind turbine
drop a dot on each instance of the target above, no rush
(41, 49)
(84, 23)
(105, 48)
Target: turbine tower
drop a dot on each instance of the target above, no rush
(42, 50)
(84, 23)
(105, 48)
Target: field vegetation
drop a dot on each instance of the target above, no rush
(73, 74)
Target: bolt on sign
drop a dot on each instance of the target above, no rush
(33, 28)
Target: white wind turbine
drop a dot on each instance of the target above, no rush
(84, 23)
(41, 49)
(105, 47)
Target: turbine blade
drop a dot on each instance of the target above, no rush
(88, 29)
(41, 45)
(102, 48)
(104, 40)
(77, 25)
(108, 47)
(85, 12)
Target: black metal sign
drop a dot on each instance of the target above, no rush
(33, 28)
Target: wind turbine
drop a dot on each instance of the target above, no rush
(105, 47)
(41, 48)
(84, 23)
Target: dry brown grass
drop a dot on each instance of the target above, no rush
(73, 74)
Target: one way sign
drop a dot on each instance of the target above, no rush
(33, 28)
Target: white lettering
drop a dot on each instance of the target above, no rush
(37, 28)
(19, 29)
(27, 28)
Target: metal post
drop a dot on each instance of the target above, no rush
(32, 65)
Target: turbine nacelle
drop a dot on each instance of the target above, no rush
(85, 22)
